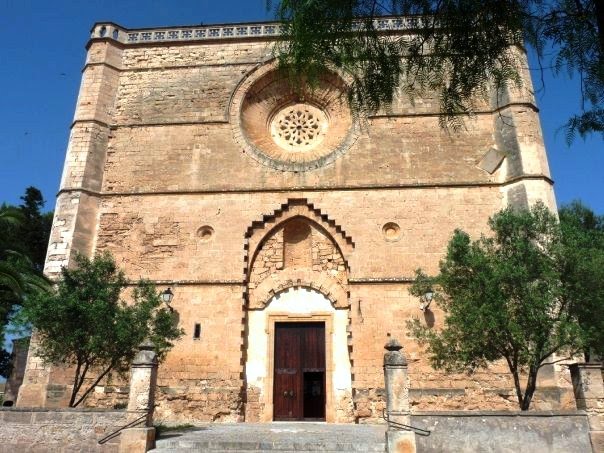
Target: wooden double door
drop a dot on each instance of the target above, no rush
(299, 380)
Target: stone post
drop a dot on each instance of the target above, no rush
(396, 379)
(141, 401)
(14, 381)
(588, 386)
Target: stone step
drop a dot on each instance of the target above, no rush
(268, 446)
(275, 437)
(182, 450)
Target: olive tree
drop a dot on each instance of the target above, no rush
(506, 296)
(84, 323)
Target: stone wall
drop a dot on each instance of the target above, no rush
(65, 430)
(498, 432)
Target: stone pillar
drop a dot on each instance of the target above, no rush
(143, 380)
(589, 396)
(141, 401)
(18, 362)
(396, 379)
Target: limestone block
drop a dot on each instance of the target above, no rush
(597, 441)
(400, 441)
(137, 440)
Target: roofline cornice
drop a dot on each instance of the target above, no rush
(110, 31)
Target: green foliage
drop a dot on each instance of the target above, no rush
(460, 51)
(85, 323)
(20, 276)
(575, 28)
(504, 297)
(34, 230)
(5, 363)
(582, 271)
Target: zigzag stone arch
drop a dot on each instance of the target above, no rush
(259, 232)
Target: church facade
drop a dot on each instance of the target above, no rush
(287, 227)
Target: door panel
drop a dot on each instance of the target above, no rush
(287, 370)
(299, 380)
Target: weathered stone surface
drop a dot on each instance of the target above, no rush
(484, 431)
(400, 442)
(137, 440)
(44, 430)
(588, 386)
(143, 383)
(18, 363)
(282, 437)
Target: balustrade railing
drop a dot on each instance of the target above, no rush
(227, 31)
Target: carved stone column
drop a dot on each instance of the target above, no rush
(141, 401)
(396, 379)
(589, 396)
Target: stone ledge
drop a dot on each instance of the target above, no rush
(62, 409)
(482, 413)
(342, 188)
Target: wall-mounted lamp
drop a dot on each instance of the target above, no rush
(167, 296)
(426, 300)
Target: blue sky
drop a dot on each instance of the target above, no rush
(42, 53)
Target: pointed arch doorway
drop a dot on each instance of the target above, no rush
(296, 275)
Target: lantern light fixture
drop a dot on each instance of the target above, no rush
(167, 296)
(426, 300)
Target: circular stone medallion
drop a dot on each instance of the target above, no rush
(299, 127)
(205, 233)
(391, 232)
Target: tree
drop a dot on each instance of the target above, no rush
(5, 363)
(502, 297)
(34, 231)
(583, 271)
(18, 276)
(24, 234)
(459, 49)
(86, 324)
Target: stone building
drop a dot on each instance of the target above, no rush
(288, 229)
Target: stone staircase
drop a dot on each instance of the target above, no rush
(279, 437)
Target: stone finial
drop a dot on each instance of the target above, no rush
(393, 345)
(146, 354)
(146, 345)
(394, 356)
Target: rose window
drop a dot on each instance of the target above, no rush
(299, 127)
(292, 130)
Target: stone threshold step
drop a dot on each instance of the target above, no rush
(182, 450)
(270, 446)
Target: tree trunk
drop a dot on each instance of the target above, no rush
(517, 386)
(531, 385)
(77, 383)
(93, 385)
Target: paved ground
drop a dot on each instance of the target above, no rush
(282, 437)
